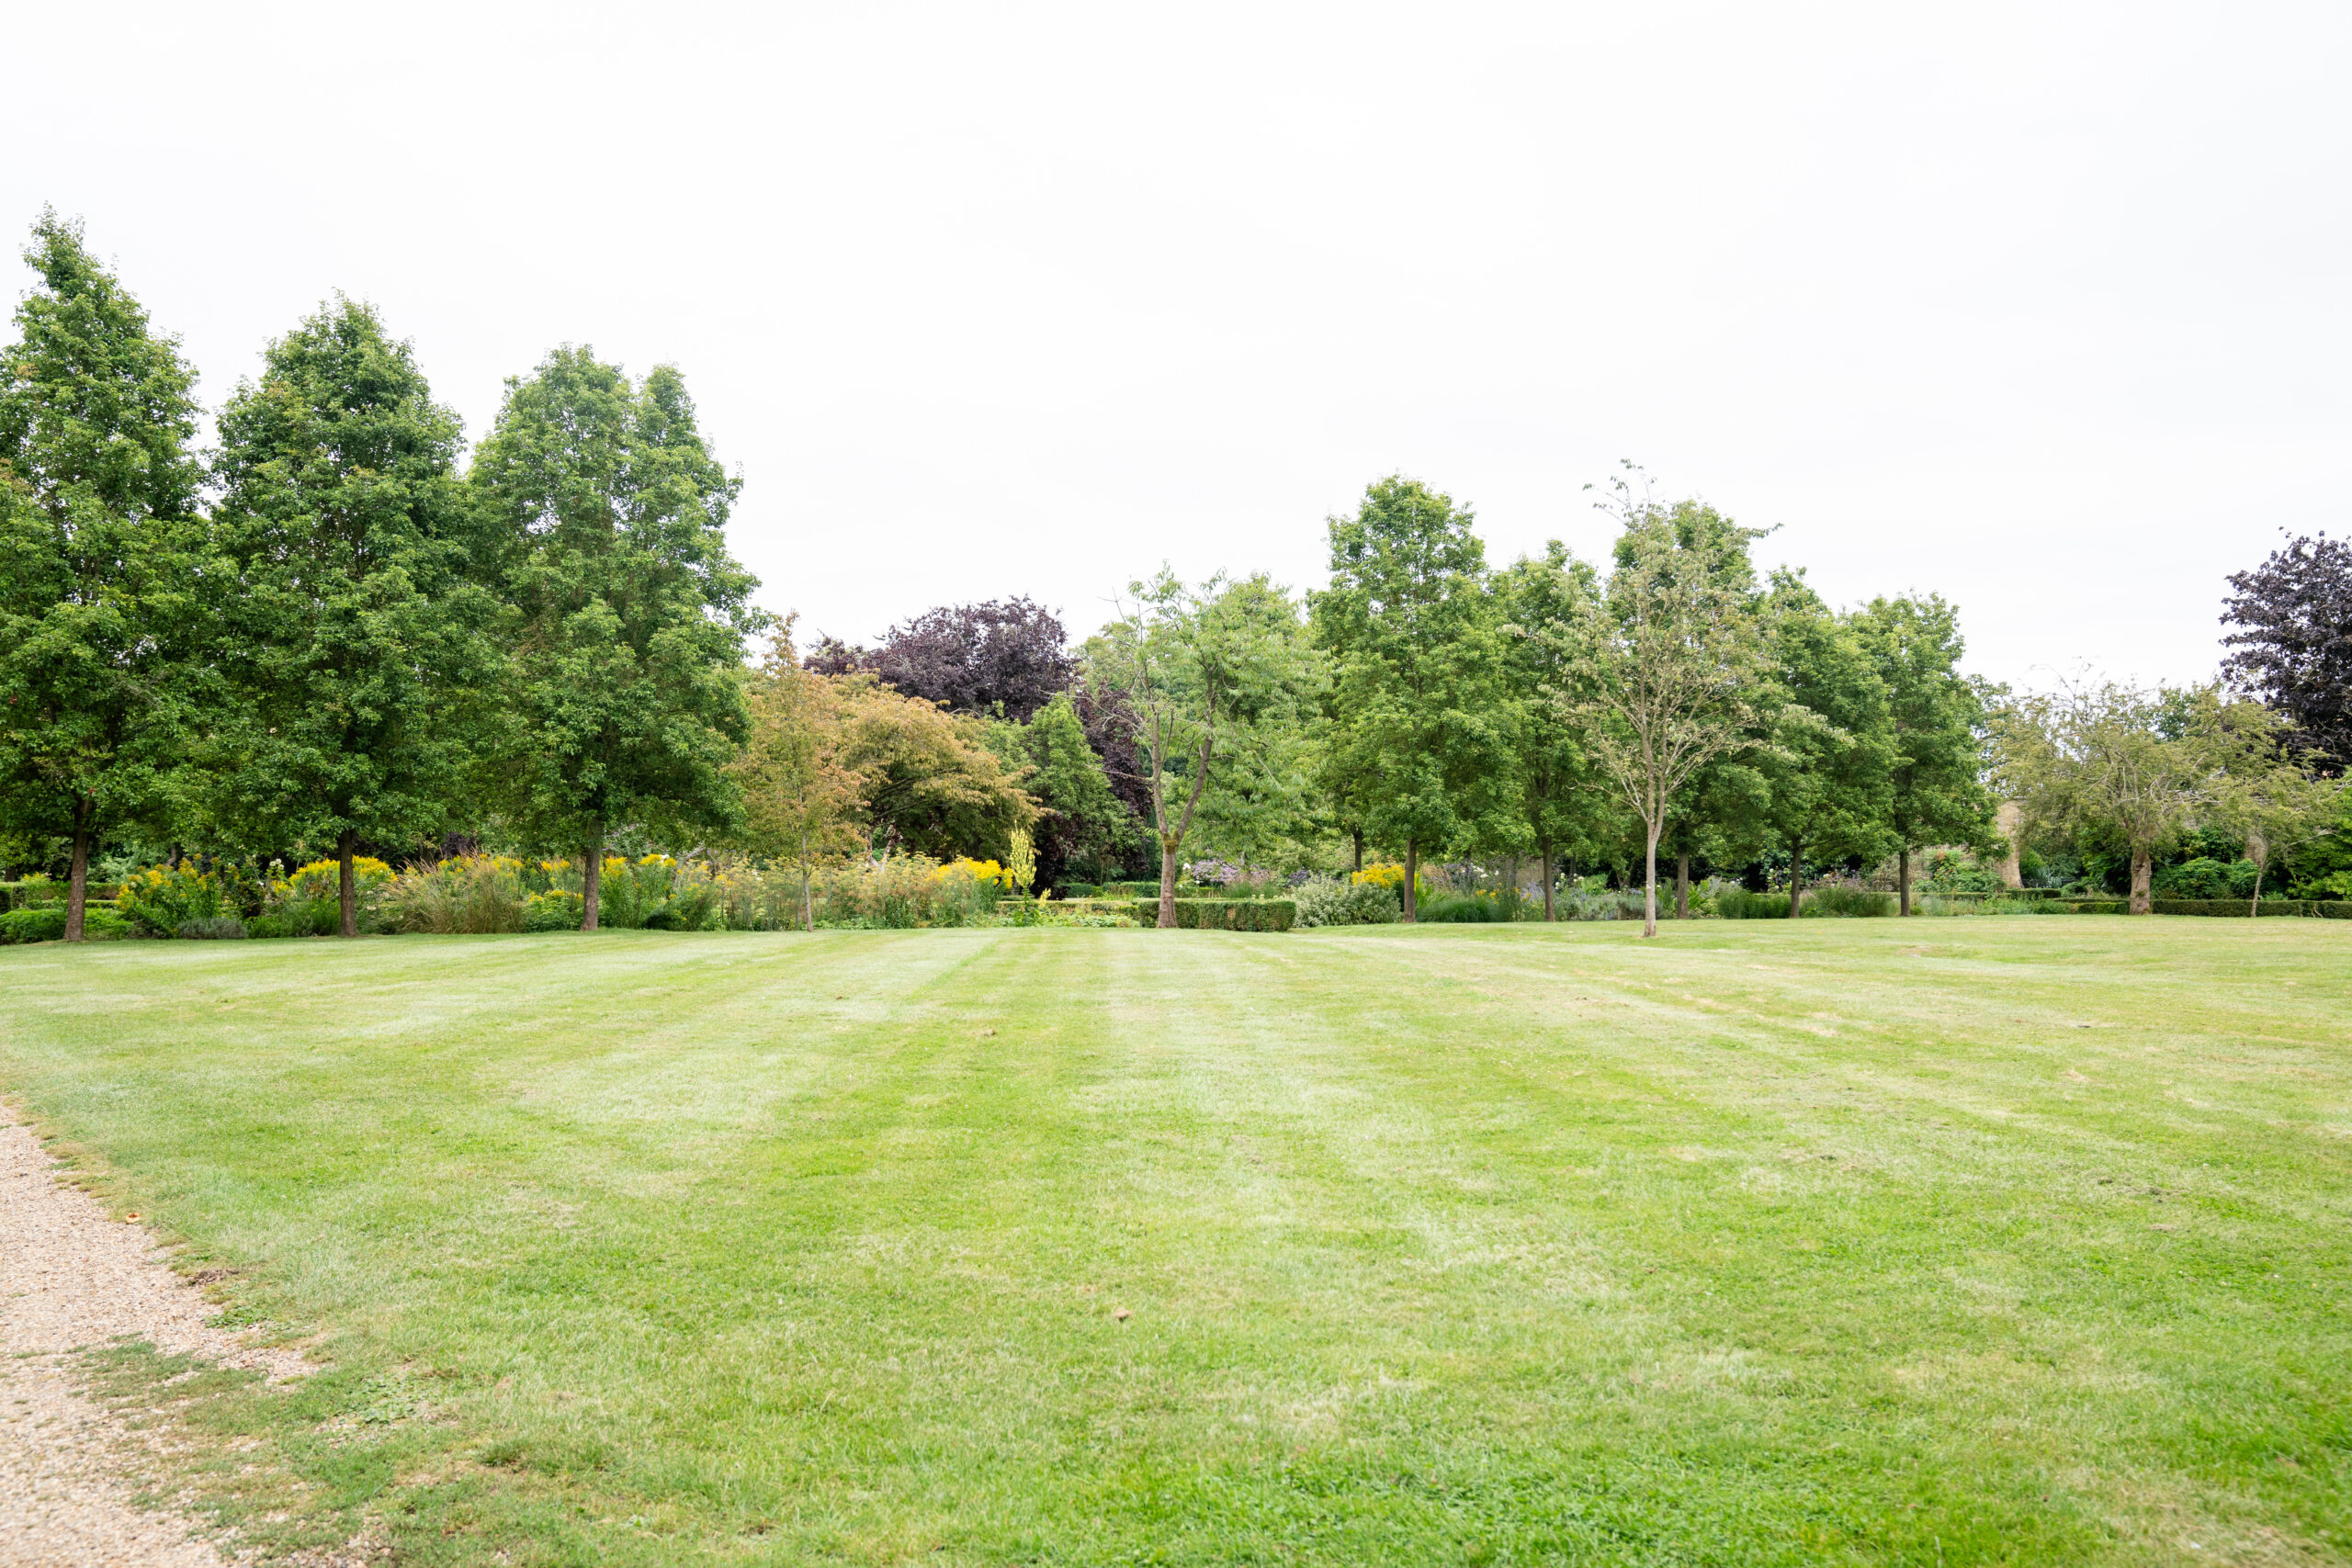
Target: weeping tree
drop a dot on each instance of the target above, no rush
(100, 582)
(623, 699)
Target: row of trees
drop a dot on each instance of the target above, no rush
(329, 632)
(354, 641)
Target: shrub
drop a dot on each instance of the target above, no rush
(1847, 903)
(1323, 901)
(1466, 908)
(554, 912)
(269, 927)
(2205, 878)
(319, 882)
(472, 895)
(162, 898)
(215, 928)
(1739, 904)
(46, 922)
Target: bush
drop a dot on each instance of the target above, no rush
(217, 928)
(554, 912)
(1324, 901)
(162, 898)
(1738, 904)
(269, 927)
(1214, 914)
(2204, 879)
(1847, 903)
(46, 922)
(320, 882)
(1467, 908)
(472, 895)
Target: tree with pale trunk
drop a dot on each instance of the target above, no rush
(1219, 672)
(2108, 761)
(1671, 661)
(100, 595)
(803, 802)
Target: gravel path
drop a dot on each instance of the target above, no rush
(69, 1277)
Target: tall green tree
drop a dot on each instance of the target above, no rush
(1831, 751)
(631, 614)
(1420, 731)
(99, 591)
(352, 635)
(1561, 801)
(1936, 789)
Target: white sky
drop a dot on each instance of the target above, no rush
(2040, 306)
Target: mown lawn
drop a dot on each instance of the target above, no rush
(1934, 1241)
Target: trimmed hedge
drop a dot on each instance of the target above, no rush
(2308, 908)
(13, 894)
(1210, 914)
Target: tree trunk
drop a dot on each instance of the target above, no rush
(1412, 871)
(592, 879)
(807, 902)
(1682, 886)
(1649, 881)
(1903, 881)
(2253, 906)
(2257, 850)
(2139, 873)
(1796, 878)
(1545, 847)
(1359, 837)
(1167, 883)
(346, 897)
(77, 880)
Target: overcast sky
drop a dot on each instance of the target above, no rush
(2041, 307)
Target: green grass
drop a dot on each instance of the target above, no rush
(1871, 1241)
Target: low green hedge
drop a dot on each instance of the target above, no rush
(46, 922)
(19, 895)
(1210, 914)
(2308, 908)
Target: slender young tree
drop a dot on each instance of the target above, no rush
(1937, 794)
(1420, 730)
(802, 799)
(1673, 660)
(1225, 668)
(626, 700)
(353, 637)
(99, 591)
(2267, 784)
